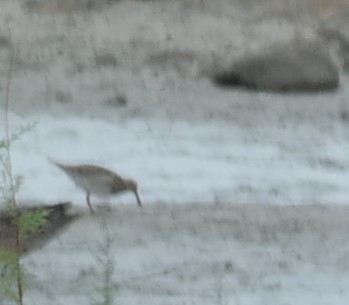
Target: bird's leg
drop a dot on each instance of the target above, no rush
(88, 202)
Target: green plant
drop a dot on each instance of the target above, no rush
(12, 271)
(12, 277)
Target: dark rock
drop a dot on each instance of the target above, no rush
(58, 217)
(296, 67)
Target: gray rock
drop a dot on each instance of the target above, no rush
(294, 67)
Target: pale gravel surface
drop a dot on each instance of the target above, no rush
(194, 253)
(157, 54)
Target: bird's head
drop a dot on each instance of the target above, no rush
(132, 186)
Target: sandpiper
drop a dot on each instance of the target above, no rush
(98, 180)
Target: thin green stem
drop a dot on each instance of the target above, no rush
(8, 162)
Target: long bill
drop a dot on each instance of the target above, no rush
(139, 202)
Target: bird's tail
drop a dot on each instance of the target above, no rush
(59, 165)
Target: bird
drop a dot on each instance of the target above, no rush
(98, 180)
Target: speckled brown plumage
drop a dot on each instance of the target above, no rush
(98, 180)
